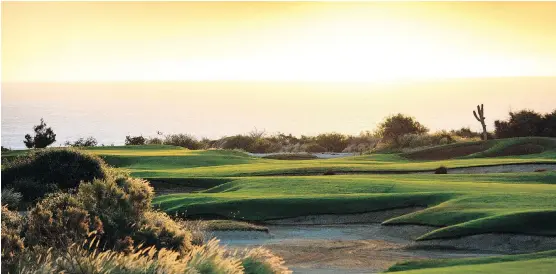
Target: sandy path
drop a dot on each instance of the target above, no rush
(361, 248)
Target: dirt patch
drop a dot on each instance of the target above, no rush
(327, 219)
(504, 243)
(445, 153)
(372, 255)
(514, 168)
(291, 156)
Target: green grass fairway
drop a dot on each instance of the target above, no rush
(542, 262)
(161, 161)
(458, 204)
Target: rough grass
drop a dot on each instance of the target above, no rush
(476, 264)
(458, 204)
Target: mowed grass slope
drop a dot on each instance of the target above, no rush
(458, 205)
(173, 162)
(541, 262)
(159, 161)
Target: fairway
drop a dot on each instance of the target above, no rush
(237, 186)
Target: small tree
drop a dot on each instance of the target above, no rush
(397, 125)
(44, 136)
(135, 140)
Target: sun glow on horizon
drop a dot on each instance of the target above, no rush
(357, 42)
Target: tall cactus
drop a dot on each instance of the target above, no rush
(480, 116)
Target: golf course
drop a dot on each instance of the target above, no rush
(512, 212)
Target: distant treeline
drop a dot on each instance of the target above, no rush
(396, 132)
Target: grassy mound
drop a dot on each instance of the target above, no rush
(478, 262)
(48, 170)
(458, 204)
(490, 148)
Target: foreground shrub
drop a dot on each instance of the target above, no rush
(261, 261)
(210, 258)
(45, 171)
(59, 220)
(10, 198)
(159, 230)
(12, 244)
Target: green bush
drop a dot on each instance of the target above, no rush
(45, 171)
(59, 220)
(182, 140)
(82, 142)
(262, 261)
(332, 142)
(135, 140)
(313, 148)
(10, 198)
(159, 230)
(12, 243)
(398, 125)
(237, 142)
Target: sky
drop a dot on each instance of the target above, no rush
(271, 41)
(111, 69)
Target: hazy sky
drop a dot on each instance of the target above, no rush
(133, 41)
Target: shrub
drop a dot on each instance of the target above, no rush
(332, 142)
(465, 132)
(12, 244)
(10, 198)
(154, 141)
(397, 125)
(82, 142)
(314, 148)
(262, 261)
(5, 149)
(263, 146)
(182, 140)
(237, 142)
(44, 136)
(441, 170)
(159, 230)
(44, 171)
(59, 220)
(134, 140)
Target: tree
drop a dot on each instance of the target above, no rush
(44, 136)
(397, 125)
(550, 124)
(521, 124)
(135, 140)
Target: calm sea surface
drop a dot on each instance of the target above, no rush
(110, 111)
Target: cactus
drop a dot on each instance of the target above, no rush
(480, 116)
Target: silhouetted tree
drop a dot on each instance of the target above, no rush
(521, 124)
(44, 136)
(397, 125)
